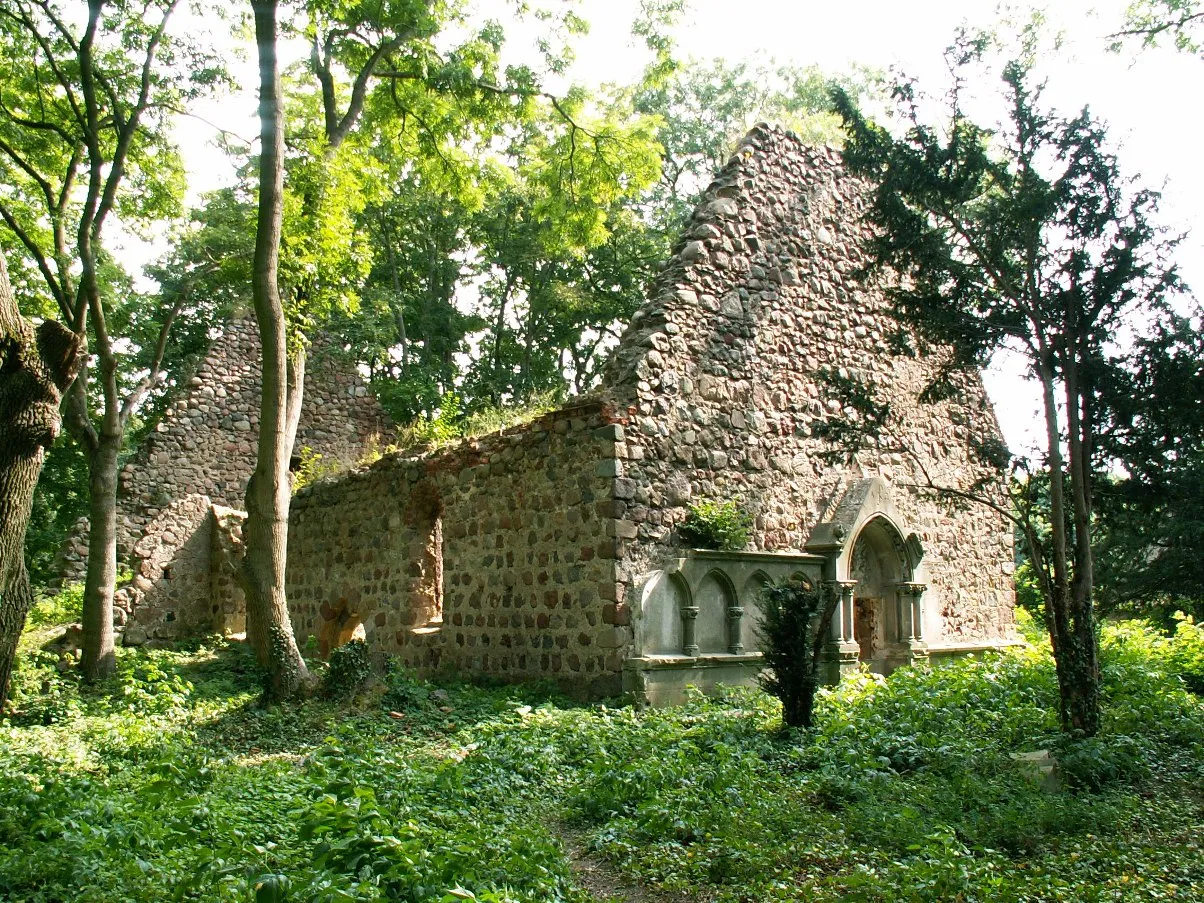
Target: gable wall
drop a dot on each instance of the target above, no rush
(720, 371)
(204, 448)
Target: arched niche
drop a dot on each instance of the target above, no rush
(661, 622)
(715, 598)
(342, 627)
(750, 621)
(424, 516)
(878, 562)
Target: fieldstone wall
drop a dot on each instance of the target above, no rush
(171, 564)
(227, 604)
(553, 552)
(204, 447)
(723, 372)
(496, 556)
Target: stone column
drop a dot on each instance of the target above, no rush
(689, 624)
(735, 614)
(911, 620)
(842, 652)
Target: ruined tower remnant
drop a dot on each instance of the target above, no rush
(200, 455)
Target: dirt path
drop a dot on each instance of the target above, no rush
(605, 881)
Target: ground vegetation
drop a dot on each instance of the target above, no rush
(169, 781)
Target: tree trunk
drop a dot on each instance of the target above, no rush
(398, 303)
(97, 658)
(1082, 705)
(1068, 606)
(35, 369)
(266, 532)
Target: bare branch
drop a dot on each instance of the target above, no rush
(152, 378)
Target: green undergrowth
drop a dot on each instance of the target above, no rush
(170, 782)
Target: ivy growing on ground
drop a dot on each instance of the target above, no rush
(170, 782)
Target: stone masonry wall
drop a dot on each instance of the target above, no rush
(722, 372)
(519, 528)
(522, 554)
(204, 446)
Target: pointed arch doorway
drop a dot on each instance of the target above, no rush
(886, 617)
(874, 567)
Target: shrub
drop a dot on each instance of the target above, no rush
(1187, 652)
(716, 525)
(349, 668)
(795, 622)
(64, 607)
(314, 468)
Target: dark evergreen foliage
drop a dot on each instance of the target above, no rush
(795, 626)
(1025, 237)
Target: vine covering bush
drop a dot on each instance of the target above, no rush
(349, 667)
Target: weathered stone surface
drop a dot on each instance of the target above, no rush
(515, 554)
(498, 573)
(203, 452)
(790, 307)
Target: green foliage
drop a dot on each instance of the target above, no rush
(52, 609)
(452, 423)
(350, 667)
(313, 468)
(1187, 653)
(1179, 654)
(168, 781)
(706, 107)
(794, 625)
(716, 525)
(1028, 592)
(1152, 21)
(1024, 234)
(60, 499)
(1150, 525)
(444, 427)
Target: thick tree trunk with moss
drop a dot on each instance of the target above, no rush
(35, 367)
(268, 493)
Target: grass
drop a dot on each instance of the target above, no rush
(170, 783)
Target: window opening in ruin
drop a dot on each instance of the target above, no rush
(430, 591)
(425, 515)
(167, 573)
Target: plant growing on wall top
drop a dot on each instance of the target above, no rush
(716, 525)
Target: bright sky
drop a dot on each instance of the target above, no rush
(1141, 95)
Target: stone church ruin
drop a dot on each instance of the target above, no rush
(550, 550)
